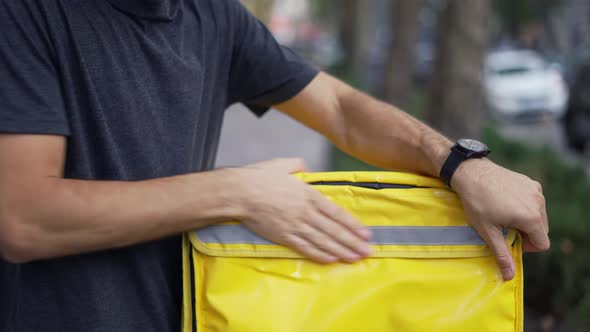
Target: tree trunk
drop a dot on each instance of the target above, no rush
(348, 32)
(399, 69)
(456, 96)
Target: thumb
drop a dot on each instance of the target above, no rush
(283, 165)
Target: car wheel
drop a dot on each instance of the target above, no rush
(574, 132)
(576, 144)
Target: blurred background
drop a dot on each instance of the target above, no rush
(514, 73)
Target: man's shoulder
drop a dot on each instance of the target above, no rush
(27, 7)
(28, 15)
(222, 10)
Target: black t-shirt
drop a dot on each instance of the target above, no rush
(139, 87)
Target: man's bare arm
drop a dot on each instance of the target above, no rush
(371, 130)
(384, 136)
(43, 215)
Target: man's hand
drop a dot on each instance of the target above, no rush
(384, 136)
(285, 210)
(493, 198)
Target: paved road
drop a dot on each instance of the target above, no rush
(247, 139)
(544, 132)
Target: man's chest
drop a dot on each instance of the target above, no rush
(120, 64)
(140, 93)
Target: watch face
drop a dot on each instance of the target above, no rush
(472, 145)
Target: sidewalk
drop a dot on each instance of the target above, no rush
(246, 139)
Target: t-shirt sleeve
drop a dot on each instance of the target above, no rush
(262, 73)
(30, 94)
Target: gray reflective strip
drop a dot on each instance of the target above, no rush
(392, 235)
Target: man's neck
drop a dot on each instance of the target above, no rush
(161, 10)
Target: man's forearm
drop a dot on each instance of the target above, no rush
(366, 128)
(56, 217)
(382, 135)
(492, 196)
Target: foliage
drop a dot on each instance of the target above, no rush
(324, 9)
(515, 13)
(557, 283)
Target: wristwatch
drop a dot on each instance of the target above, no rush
(462, 150)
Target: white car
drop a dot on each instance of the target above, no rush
(521, 82)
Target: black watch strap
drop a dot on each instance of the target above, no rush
(450, 166)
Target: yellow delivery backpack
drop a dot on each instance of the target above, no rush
(429, 270)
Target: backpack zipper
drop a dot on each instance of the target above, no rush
(368, 185)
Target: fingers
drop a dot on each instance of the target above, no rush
(333, 231)
(538, 186)
(527, 246)
(544, 215)
(328, 242)
(340, 216)
(307, 249)
(534, 228)
(532, 222)
(341, 235)
(283, 165)
(495, 239)
(538, 239)
(542, 206)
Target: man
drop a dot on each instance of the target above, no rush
(110, 113)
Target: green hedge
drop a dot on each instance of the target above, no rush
(557, 283)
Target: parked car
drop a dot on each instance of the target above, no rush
(577, 116)
(520, 83)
